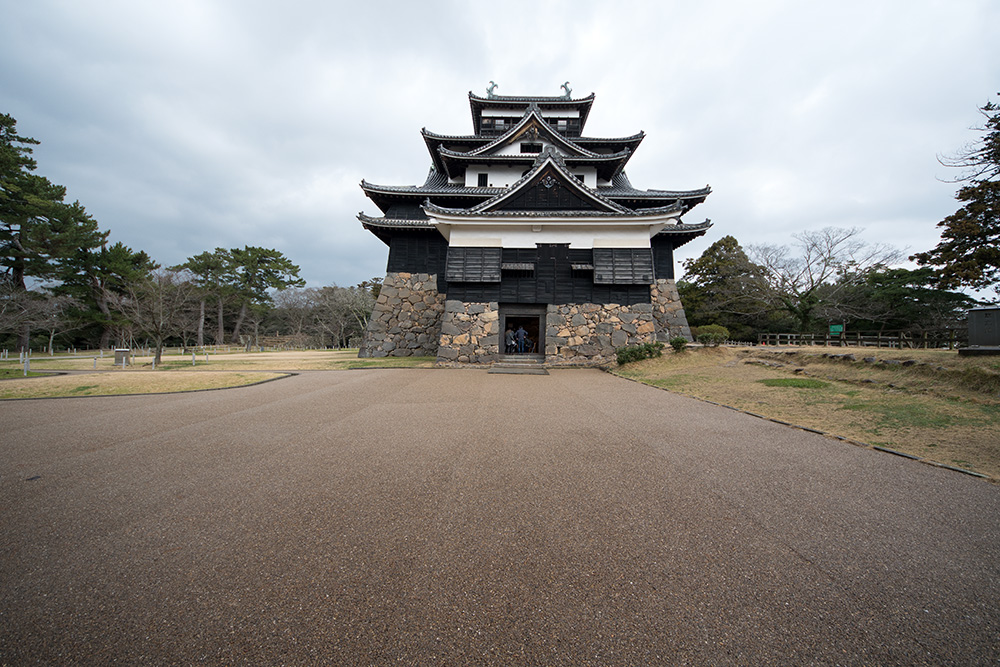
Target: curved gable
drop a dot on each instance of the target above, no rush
(549, 187)
(532, 128)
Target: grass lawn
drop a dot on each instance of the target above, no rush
(8, 373)
(938, 406)
(177, 373)
(235, 361)
(127, 382)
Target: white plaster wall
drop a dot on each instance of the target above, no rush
(515, 148)
(589, 175)
(597, 236)
(519, 113)
(501, 176)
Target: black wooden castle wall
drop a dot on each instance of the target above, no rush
(663, 257)
(552, 279)
(417, 252)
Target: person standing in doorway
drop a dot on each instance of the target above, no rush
(520, 334)
(508, 340)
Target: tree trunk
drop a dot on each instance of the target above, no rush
(201, 323)
(220, 332)
(239, 322)
(24, 338)
(101, 301)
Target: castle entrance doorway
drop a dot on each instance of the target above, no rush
(530, 318)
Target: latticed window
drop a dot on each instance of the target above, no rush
(473, 265)
(623, 266)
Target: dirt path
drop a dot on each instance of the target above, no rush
(456, 517)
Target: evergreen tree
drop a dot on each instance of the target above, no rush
(253, 272)
(900, 300)
(38, 231)
(724, 287)
(969, 251)
(95, 278)
(209, 271)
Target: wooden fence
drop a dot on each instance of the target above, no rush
(949, 339)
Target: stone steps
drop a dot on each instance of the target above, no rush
(520, 364)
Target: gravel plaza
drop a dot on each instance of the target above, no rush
(437, 516)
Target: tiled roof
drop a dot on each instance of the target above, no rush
(607, 164)
(639, 136)
(477, 104)
(621, 187)
(530, 115)
(545, 159)
(436, 183)
(682, 233)
(456, 137)
(466, 212)
(369, 221)
(684, 228)
(550, 157)
(517, 99)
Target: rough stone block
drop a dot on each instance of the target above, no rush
(451, 329)
(646, 328)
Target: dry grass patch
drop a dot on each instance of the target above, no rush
(126, 382)
(296, 360)
(929, 409)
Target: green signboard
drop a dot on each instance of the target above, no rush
(836, 329)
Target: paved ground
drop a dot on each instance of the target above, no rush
(456, 517)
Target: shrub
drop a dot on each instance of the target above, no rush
(713, 334)
(678, 343)
(638, 352)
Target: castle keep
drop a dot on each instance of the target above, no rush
(527, 224)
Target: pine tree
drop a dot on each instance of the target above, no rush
(968, 254)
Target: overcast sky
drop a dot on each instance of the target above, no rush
(187, 125)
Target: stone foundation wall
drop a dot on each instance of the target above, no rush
(589, 333)
(412, 319)
(668, 311)
(406, 320)
(470, 333)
